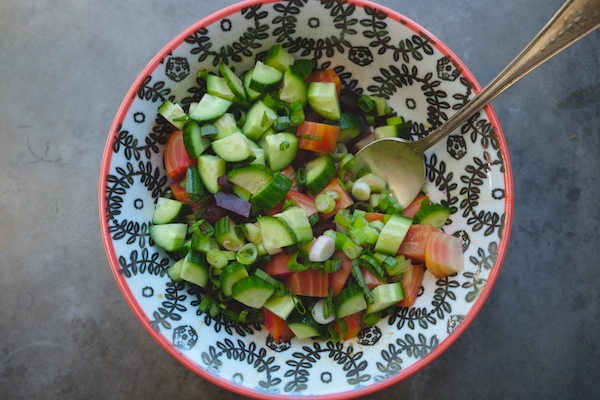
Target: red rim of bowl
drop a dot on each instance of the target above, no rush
(163, 341)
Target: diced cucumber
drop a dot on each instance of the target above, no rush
(226, 125)
(233, 82)
(350, 127)
(392, 234)
(279, 58)
(293, 88)
(282, 306)
(296, 219)
(273, 192)
(252, 291)
(203, 243)
(265, 77)
(195, 143)
(234, 148)
(194, 186)
(259, 153)
(173, 113)
(349, 300)
(230, 275)
(281, 149)
(168, 210)
(226, 236)
(241, 192)
(433, 214)
(275, 234)
(174, 271)
(195, 268)
(384, 296)
(258, 119)
(209, 108)
(170, 237)
(323, 98)
(385, 131)
(211, 168)
(319, 172)
(217, 86)
(251, 94)
(252, 177)
(304, 325)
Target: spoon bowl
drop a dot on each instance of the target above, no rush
(401, 163)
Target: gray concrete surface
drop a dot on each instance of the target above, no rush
(66, 332)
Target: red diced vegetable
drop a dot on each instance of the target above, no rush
(411, 283)
(277, 266)
(415, 206)
(413, 245)
(443, 254)
(338, 279)
(317, 137)
(311, 283)
(277, 327)
(176, 157)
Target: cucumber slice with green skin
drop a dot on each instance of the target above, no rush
(281, 149)
(392, 234)
(195, 143)
(282, 306)
(433, 214)
(234, 148)
(252, 291)
(275, 234)
(350, 127)
(203, 243)
(323, 98)
(304, 325)
(349, 301)
(211, 168)
(279, 58)
(251, 94)
(252, 177)
(384, 296)
(230, 275)
(217, 86)
(259, 153)
(168, 210)
(319, 172)
(174, 271)
(210, 108)
(194, 185)
(241, 192)
(226, 125)
(226, 236)
(296, 219)
(265, 77)
(172, 112)
(195, 268)
(293, 88)
(386, 131)
(234, 83)
(258, 119)
(170, 237)
(273, 192)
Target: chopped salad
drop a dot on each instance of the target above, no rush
(265, 214)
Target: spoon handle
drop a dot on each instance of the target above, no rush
(573, 21)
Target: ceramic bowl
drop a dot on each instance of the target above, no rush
(376, 51)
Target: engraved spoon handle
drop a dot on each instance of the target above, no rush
(573, 21)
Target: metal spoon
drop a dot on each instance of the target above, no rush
(401, 162)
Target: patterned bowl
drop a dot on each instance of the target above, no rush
(376, 51)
